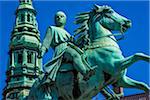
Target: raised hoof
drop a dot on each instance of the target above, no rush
(113, 98)
(143, 56)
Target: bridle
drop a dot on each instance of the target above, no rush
(115, 34)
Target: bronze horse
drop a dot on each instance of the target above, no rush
(100, 49)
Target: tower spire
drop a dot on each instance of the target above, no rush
(29, 2)
(25, 4)
(24, 66)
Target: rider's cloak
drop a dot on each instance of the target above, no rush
(55, 38)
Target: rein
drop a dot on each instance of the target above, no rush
(100, 44)
(116, 34)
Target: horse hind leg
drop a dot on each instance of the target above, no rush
(106, 94)
(118, 90)
(125, 63)
(130, 83)
(109, 94)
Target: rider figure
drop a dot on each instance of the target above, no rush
(58, 38)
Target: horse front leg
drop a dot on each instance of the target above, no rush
(130, 83)
(125, 63)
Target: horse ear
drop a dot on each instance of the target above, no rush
(98, 8)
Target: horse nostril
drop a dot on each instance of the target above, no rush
(128, 23)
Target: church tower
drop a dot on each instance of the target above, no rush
(24, 65)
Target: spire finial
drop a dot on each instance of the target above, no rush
(26, 2)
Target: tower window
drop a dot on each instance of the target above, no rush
(28, 17)
(22, 1)
(10, 59)
(32, 18)
(29, 56)
(17, 78)
(22, 17)
(30, 78)
(15, 95)
(19, 58)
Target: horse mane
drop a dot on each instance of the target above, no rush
(82, 19)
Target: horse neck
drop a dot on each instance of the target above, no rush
(96, 31)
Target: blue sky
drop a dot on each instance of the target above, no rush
(136, 38)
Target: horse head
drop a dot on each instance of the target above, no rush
(100, 21)
(110, 19)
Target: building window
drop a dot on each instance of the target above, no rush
(32, 18)
(27, 0)
(28, 17)
(15, 95)
(30, 78)
(11, 96)
(29, 57)
(10, 59)
(19, 30)
(17, 79)
(20, 58)
(22, 17)
(22, 0)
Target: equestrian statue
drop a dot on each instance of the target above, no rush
(88, 62)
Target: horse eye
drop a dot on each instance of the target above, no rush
(110, 11)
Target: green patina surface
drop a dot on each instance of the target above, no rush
(65, 73)
(80, 68)
(24, 66)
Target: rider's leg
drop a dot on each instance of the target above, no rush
(79, 64)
